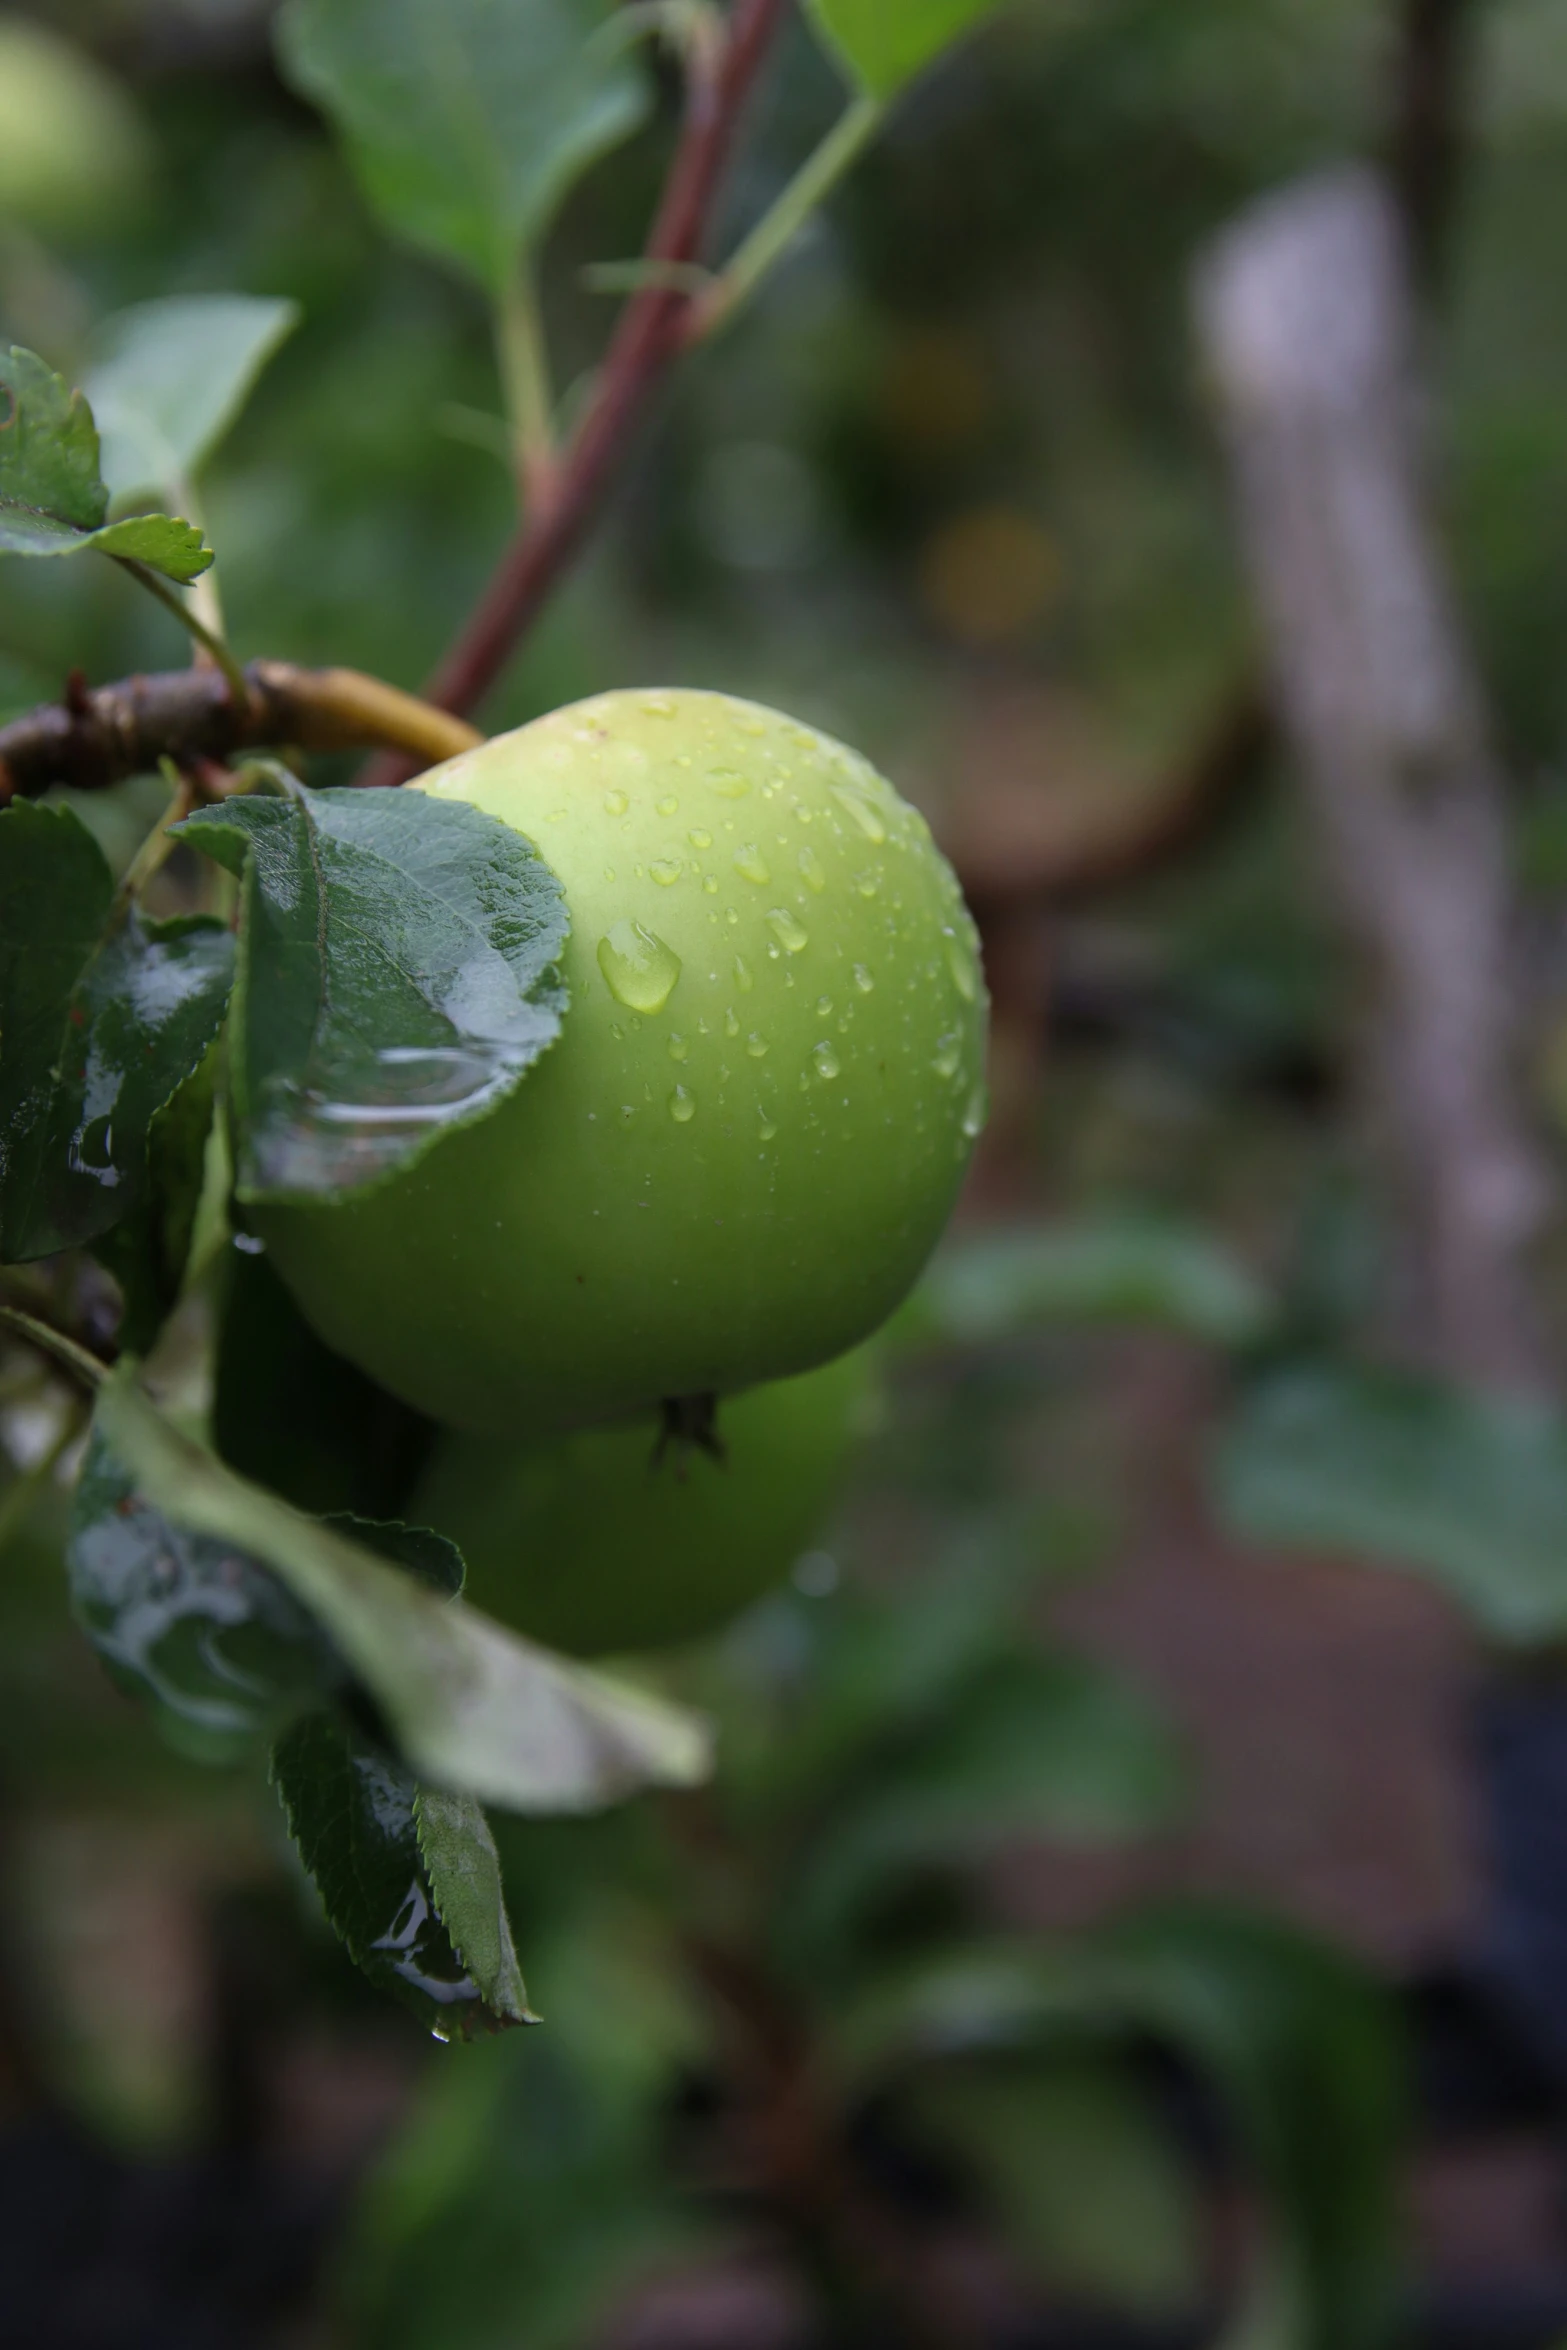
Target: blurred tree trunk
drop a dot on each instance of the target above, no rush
(1308, 334)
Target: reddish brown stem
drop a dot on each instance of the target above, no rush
(648, 339)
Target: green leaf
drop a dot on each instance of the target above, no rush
(1465, 1489)
(291, 1415)
(467, 121)
(103, 1017)
(409, 1877)
(149, 1250)
(1082, 2172)
(1139, 1269)
(52, 496)
(1299, 2042)
(167, 379)
(187, 1622)
(883, 44)
(1036, 1746)
(471, 1706)
(397, 976)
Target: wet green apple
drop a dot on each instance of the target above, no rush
(591, 1544)
(739, 1153)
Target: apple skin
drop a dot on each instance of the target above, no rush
(588, 1544)
(744, 1145)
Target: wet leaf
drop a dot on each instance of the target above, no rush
(149, 1249)
(167, 379)
(1116, 1269)
(467, 123)
(189, 1622)
(52, 497)
(397, 976)
(882, 44)
(1468, 1490)
(103, 1017)
(408, 1877)
(471, 1706)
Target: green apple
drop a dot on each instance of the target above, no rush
(737, 1157)
(591, 1544)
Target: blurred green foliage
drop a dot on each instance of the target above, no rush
(955, 461)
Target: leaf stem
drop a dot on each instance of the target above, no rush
(84, 1366)
(525, 381)
(781, 224)
(188, 620)
(155, 848)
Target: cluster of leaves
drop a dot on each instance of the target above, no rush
(249, 1622)
(797, 2012)
(368, 969)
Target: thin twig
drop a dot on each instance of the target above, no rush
(648, 339)
(88, 1368)
(92, 740)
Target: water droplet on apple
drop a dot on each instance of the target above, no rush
(811, 867)
(756, 1045)
(788, 932)
(666, 871)
(961, 965)
(682, 1105)
(743, 978)
(862, 979)
(679, 1048)
(861, 812)
(639, 970)
(826, 1060)
(750, 864)
(615, 803)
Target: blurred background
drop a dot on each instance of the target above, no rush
(1132, 1909)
